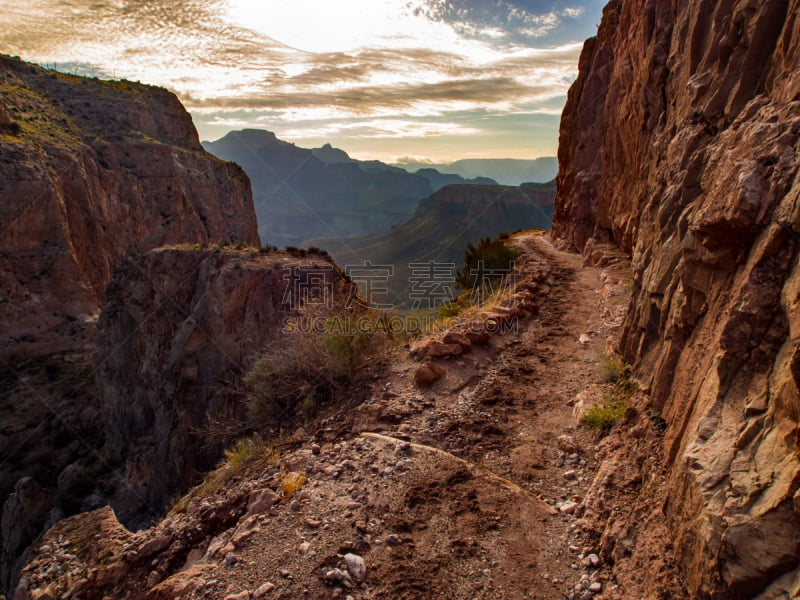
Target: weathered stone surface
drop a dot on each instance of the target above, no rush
(679, 143)
(261, 501)
(180, 585)
(179, 327)
(23, 514)
(90, 172)
(428, 373)
(122, 172)
(439, 350)
(478, 337)
(455, 337)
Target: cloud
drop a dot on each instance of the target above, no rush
(402, 97)
(382, 129)
(262, 62)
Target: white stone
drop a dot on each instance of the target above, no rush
(356, 566)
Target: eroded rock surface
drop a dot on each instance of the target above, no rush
(178, 330)
(92, 171)
(695, 110)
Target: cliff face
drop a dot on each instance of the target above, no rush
(92, 171)
(178, 329)
(695, 110)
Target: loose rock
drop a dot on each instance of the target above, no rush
(356, 566)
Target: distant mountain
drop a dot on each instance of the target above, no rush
(442, 226)
(439, 180)
(506, 171)
(301, 193)
(330, 155)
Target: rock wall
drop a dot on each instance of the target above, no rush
(178, 329)
(91, 171)
(695, 110)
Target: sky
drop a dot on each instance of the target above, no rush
(434, 80)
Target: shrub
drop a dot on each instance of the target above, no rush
(453, 308)
(283, 377)
(616, 372)
(247, 455)
(292, 483)
(302, 371)
(487, 262)
(603, 416)
(344, 345)
(617, 395)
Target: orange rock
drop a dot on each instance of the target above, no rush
(428, 373)
(454, 337)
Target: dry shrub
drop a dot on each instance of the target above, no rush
(292, 483)
(302, 371)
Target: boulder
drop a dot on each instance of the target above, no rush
(428, 373)
(439, 350)
(455, 337)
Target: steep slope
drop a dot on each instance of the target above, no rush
(442, 226)
(298, 195)
(679, 143)
(467, 489)
(178, 329)
(91, 172)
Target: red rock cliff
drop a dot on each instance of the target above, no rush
(178, 329)
(91, 171)
(679, 143)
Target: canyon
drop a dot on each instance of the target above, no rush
(442, 226)
(302, 193)
(674, 250)
(92, 172)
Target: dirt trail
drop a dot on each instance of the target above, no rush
(463, 490)
(473, 507)
(508, 422)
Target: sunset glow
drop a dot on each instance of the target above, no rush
(381, 78)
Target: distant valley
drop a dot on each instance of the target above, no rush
(505, 171)
(302, 193)
(441, 228)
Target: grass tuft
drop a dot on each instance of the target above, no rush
(617, 394)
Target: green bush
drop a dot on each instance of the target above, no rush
(344, 345)
(454, 308)
(616, 372)
(619, 389)
(603, 416)
(491, 258)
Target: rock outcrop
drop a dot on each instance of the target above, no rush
(92, 171)
(178, 329)
(679, 143)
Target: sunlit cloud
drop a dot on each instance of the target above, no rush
(383, 129)
(293, 63)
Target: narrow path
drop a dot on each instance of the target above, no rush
(509, 421)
